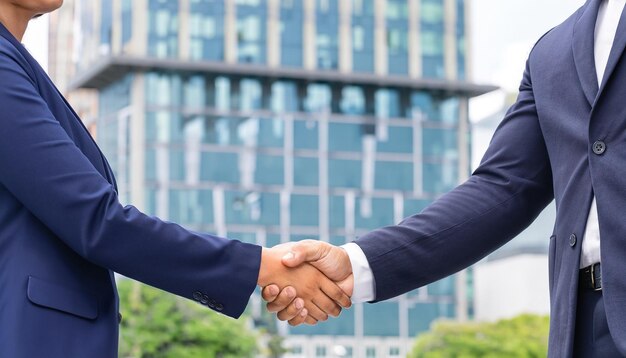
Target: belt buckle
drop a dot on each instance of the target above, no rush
(593, 279)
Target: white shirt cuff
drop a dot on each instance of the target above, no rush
(363, 277)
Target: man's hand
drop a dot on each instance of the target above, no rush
(318, 295)
(332, 261)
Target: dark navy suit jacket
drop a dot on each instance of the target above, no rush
(63, 231)
(543, 150)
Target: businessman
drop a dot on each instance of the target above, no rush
(563, 139)
(63, 231)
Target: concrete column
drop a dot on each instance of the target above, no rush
(380, 38)
(93, 52)
(309, 35)
(415, 43)
(464, 172)
(450, 39)
(285, 215)
(273, 33)
(418, 160)
(288, 152)
(116, 27)
(230, 31)
(345, 36)
(463, 140)
(138, 45)
(468, 42)
(138, 143)
(324, 226)
(183, 29)
(219, 209)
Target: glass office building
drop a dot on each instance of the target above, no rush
(278, 120)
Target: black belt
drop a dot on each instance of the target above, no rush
(590, 277)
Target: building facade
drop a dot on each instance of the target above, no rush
(271, 121)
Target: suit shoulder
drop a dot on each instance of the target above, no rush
(559, 37)
(12, 60)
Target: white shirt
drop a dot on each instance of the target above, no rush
(606, 27)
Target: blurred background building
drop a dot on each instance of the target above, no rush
(271, 121)
(524, 287)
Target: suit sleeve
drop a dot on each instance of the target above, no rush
(42, 167)
(503, 196)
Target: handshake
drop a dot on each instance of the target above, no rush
(306, 281)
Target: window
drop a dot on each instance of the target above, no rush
(370, 352)
(320, 351)
(291, 32)
(394, 351)
(304, 210)
(327, 27)
(296, 350)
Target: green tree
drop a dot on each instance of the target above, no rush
(524, 336)
(160, 325)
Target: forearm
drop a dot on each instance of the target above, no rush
(505, 194)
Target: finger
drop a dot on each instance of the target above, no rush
(305, 251)
(316, 312)
(334, 296)
(310, 320)
(347, 285)
(292, 311)
(299, 318)
(270, 293)
(284, 299)
(327, 305)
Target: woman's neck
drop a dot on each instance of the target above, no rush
(14, 19)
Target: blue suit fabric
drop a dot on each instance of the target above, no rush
(63, 231)
(563, 139)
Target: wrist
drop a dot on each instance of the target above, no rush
(264, 270)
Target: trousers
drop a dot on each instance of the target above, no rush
(592, 338)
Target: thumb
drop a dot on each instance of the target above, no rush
(347, 285)
(305, 251)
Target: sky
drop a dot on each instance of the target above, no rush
(503, 33)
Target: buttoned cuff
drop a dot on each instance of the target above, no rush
(364, 285)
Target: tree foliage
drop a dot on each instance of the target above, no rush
(160, 325)
(524, 336)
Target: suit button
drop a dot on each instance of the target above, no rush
(572, 240)
(219, 307)
(197, 296)
(211, 304)
(119, 317)
(599, 147)
(204, 300)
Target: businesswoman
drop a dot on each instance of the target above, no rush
(63, 232)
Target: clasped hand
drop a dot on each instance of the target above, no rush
(306, 281)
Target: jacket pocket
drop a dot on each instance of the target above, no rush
(60, 298)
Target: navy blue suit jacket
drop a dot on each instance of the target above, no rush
(543, 150)
(63, 231)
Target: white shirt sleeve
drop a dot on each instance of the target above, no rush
(363, 277)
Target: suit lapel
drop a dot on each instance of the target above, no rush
(619, 44)
(583, 48)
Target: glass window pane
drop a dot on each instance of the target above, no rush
(381, 319)
(373, 213)
(305, 171)
(305, 134)
(346, 137)
(344, 173)
(219, 167)
(394, 176)
(269, 170)
(304, 210)
(440, 178)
